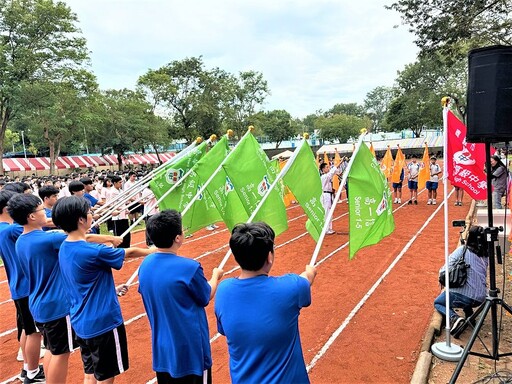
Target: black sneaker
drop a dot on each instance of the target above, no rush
(410, 202)
(39, 378)
(456, 326)
(22, 375)
(416, 202)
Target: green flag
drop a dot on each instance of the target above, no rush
(168, 176)
(251, 174)
(220, 189)
(303, 180)
(370, 202)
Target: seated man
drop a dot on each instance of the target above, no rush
(474, 292)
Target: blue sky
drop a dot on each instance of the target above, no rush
(313, 53)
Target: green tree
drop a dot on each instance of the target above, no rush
(11, 139)
(376, 104)
(126, 123)
(38, 41)
(276, 125)
(340, 128)
(453, 27)
(244, 94)
(350, 109)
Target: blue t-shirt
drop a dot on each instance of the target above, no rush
(18, 281)
(48, 213)
(175, 292)
(39, 253)
(93, 201)
(86, 268)
(259, 317)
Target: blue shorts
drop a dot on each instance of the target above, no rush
(432, 185)
(397, 185)
(413, 185)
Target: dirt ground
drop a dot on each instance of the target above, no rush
(478, 369)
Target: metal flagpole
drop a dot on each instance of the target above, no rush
(152, 173)
(272, 186)
(446, 351)
(336, 198)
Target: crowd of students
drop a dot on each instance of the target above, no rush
(60, 278)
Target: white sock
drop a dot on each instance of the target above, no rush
(25, 366)
(31, 374)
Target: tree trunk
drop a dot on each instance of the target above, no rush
(157, 154)
(51, 147)
(3, 128)
(120, 161)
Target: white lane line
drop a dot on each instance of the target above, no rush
(343, 325)
(10, 380)
(8, 332)
(6, 301)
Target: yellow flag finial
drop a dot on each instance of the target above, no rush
(305, 135)
(199, 140)
(445, 101)
(364, 130)
(251, 128)
(213, 137)
(229, 133)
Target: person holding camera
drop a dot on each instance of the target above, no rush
(474, 291)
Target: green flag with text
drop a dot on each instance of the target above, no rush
(251, 174)
(370, 202)
(220, 189)
(167, 177)
(303, 180)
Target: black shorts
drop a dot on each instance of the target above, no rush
(166, 378)
(59, 338)
(105, 355)
(24, 320)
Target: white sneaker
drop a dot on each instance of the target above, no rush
(434, 202)
(399, 201)
(429, 202)
(215, 226)
(396, 201)
(210, 228)
(330, 232)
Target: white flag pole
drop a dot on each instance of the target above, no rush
(228, 134)
(152, 173)
(272, 186)
(203, 187)
(167, 193)
(336, 198)
(446, 351)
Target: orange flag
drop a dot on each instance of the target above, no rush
(386, 164)
(372, 150)
(326, 158)
(398, 166)
(424, 174)
(336, 179)
(288, 197)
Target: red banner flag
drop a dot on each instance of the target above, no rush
(464, 161)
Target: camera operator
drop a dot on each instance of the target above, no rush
(474, 291)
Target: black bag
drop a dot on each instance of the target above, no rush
(458, 273)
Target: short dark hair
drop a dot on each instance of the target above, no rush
(5, 196)
(475, 240)
(47, 191)
(68, 210)
(251, 243)
(322, 166)
(21, 205)
(76, 186)
(16, 186)
(163, 227)
(86, 180)
(116, 179)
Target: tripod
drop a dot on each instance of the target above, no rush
(492, 300)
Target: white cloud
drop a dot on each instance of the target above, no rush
(313, 53)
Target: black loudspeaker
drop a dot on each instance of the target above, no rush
(489, 111)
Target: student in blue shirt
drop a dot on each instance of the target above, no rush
(179, 329)
(28, 335)
(259, 313)
(87, 273)
(48, 300)
(49, 194)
